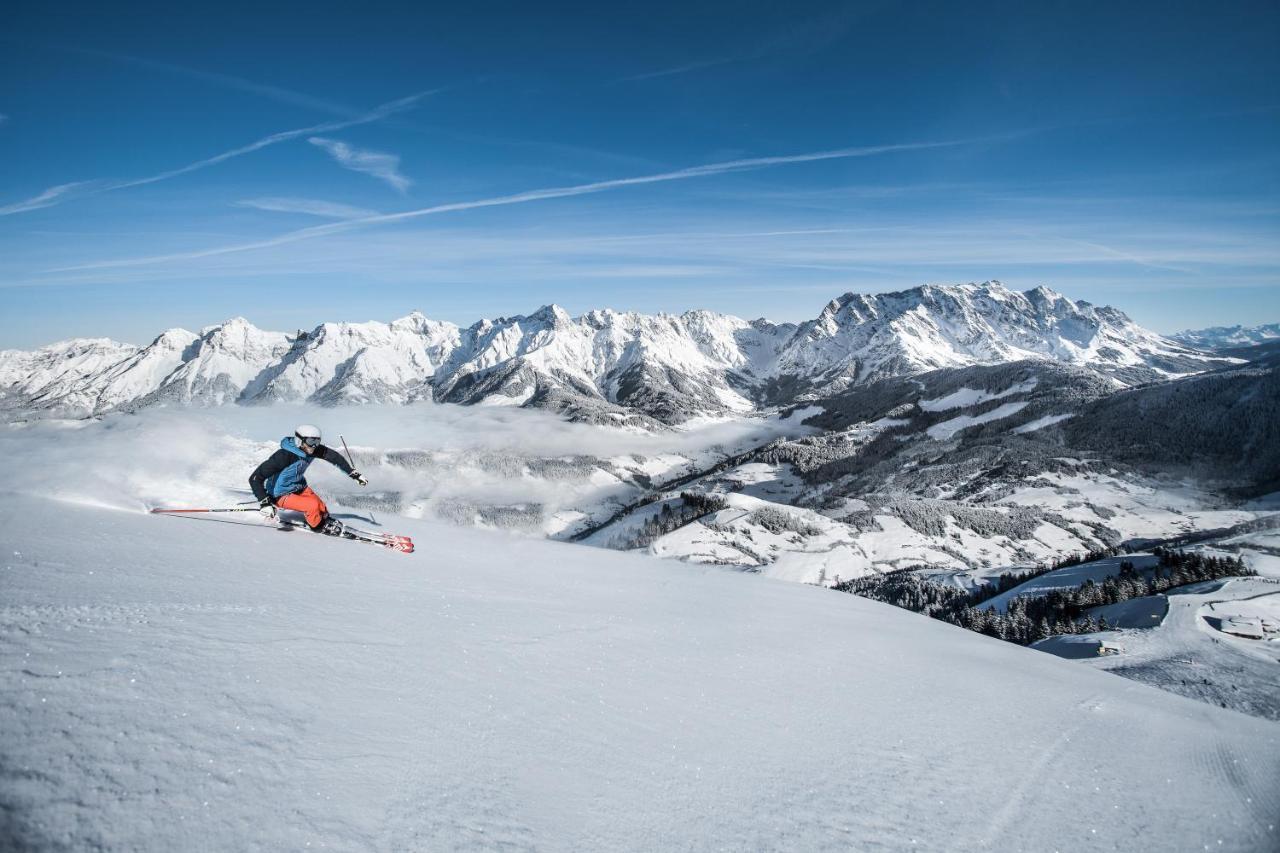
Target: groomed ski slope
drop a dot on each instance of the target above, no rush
(181, 684)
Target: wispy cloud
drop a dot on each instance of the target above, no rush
(1120, 254)
(706, 170)
(722, 249)
(228, 81)
(679, 69)
(802, 37)
(376, 114)
(48, 198)
(384, 167)
(309, 206)
(373, 115)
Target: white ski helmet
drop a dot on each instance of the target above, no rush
(307, 434)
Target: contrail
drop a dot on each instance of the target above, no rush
(58, 194)
(529, 196)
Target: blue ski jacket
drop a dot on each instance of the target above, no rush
(285, 471)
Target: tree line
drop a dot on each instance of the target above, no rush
(691, 507)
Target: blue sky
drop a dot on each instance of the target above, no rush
(295, 163)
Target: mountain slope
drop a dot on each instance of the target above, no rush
(976, 469)
(263, 690)
(1221, 427)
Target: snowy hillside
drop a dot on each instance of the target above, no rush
(979, 468)
(601, 367)
(174, 684)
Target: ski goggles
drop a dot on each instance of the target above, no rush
(308, 442)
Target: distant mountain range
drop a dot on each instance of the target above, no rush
(1218, 338)
(603, 366)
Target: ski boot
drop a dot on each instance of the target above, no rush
(330, 527)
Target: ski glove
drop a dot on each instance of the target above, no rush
(359, 478)
(265, 507)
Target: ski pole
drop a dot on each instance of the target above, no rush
(352, 462)
(236, 509)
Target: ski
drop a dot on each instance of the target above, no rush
(403, 544)
(393, 541)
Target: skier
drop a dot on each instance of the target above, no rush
(281, 480)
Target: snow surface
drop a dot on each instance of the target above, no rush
(1041, 423)
(965, 397)
(1259, 615)
(948, 428)
(1145, 612)
(183, 684)
(1078, 646)
(1135, 508)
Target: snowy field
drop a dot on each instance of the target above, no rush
(182, 684)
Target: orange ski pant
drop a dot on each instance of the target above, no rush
(308, 503)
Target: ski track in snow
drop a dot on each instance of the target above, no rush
(191, 686)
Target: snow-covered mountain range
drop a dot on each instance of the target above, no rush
(603, 366)
(1228, 337)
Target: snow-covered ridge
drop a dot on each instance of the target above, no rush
(603, 366)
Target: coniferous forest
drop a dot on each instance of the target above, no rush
(1029, 618)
